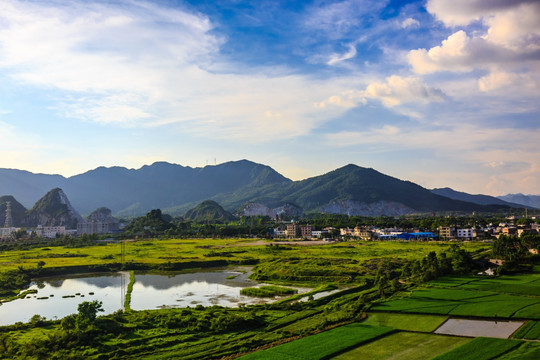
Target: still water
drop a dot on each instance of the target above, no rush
(60, 296)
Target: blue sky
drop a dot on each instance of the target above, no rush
(438, 92)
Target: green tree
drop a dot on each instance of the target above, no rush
(508, 248)
(88, 312)
(69, 323)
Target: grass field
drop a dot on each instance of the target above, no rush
(405, 346)
(331, 260)
(527, 351)
(520, 284)
(422, 323)
(510, 296)
(480, 349)
(531, 331)
(268, 291)
(322, 345)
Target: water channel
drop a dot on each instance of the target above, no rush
(57, 297)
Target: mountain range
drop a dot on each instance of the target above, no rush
(241, 186)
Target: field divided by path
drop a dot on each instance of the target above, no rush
(409, 322)
(405, 346)
(481, 349)
(530, 331)
(511, 296)
(323, 345)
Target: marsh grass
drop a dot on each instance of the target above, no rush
(268, 291)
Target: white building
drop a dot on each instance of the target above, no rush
(466, 233)
(50, 232)
(96, 227)
(5, 233)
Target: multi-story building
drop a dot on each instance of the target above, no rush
(364, 233)
(447, 232)
(97, 227)
(6, 232)
(306, 231)
(50, 232)
(293, 231)
(466, 233)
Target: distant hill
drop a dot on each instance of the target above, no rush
(103, 214)
(129, 192)
(28, 187)
(351, 190)
(53, 209)
(175, 189)
(527, 200)
(367, 186)
(154, 221)
(208, 211)
(18, 212)
(477, 199)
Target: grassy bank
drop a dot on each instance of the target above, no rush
(267, 291)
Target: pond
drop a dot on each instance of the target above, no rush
(58, 297)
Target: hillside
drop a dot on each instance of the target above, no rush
(361, 191)
(53, 209)
(130, 192)
(477, 199)
(208, 211)
(18, 212)
(28, 187)
(175, 189)
(527, 200)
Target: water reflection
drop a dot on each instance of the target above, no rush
(60, 296)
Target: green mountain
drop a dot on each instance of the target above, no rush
(355, 190)
(208, 211)
(18, 212)
(175, 189)
(368, 186)
(53, 209)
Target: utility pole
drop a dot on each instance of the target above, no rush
(9, 221)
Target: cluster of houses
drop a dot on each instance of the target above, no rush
(293, 230)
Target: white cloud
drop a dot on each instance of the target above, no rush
(463, 12)
(508, 49)
(337, 18)
(142, 64)
(398, 90)
(472, 141)
(337, 58)
(460, 53)
(511, 24)
(500, 80)
(468, 145)
(395, 91)
(410, 22)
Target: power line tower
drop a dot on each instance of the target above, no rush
(9, 221)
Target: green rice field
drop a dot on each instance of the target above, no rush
(405, 346)
(322, 345)
(530, 331)
(480, 349)
(422, 323)
(511, 296)
(526, 351)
